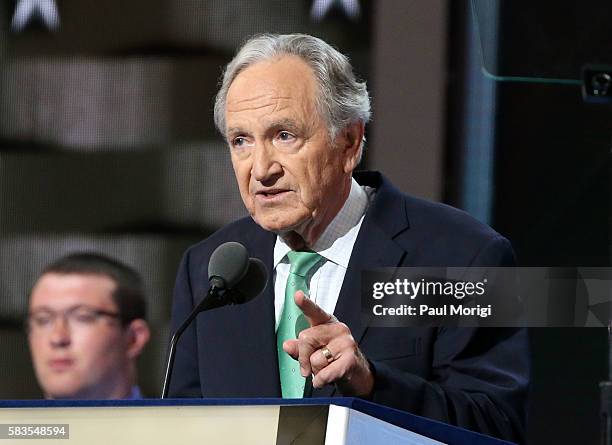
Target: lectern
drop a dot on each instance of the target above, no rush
(335, 421)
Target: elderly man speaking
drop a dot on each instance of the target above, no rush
(293, 114)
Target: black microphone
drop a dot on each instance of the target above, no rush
(234, 279)
(251, 284)
(227, 265)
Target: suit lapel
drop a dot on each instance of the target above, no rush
(261, 322)
(374, 247)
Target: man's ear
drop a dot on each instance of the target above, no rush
(351, 143)
(138, 335)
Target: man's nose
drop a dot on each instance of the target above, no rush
(266, 168)
(60, 333)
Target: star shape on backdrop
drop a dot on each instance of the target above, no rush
(320, 8)
(43, 10)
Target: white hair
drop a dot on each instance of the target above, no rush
(341, 99)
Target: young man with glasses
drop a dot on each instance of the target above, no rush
(86, 328)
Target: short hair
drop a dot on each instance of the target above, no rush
(129, 294)
(341, 100)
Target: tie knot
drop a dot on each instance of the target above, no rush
(302, 262)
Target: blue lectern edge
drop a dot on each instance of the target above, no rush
(427, 427)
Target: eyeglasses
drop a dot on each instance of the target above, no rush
(77, 317)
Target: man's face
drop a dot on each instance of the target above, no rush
(76, 355)
(291, 177)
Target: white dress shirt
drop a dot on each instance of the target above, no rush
(334, 245)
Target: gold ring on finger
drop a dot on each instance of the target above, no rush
(327, 354)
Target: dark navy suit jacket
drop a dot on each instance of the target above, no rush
(476, 378)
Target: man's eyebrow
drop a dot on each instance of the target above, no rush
(280, 124)
(288, 124)
(50, 309)
(40, 309)
(234, 130)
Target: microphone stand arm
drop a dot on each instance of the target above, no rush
(213, 299)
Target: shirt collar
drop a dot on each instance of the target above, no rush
(336, 242)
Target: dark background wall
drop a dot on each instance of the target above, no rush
(107, 143)
(550, 177)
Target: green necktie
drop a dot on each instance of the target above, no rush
(292, 323)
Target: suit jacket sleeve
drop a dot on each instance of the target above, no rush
(479, 376)
(185, 380)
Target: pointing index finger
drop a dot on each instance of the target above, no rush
(311, 310)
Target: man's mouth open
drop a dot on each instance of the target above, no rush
(272, 195)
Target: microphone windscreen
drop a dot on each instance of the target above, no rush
(252, 284)
(230, 262)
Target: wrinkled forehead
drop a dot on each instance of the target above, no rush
(286, 77)
(60, 291)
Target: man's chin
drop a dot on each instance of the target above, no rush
(65, 394)
(278, 226)
(290, 233)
